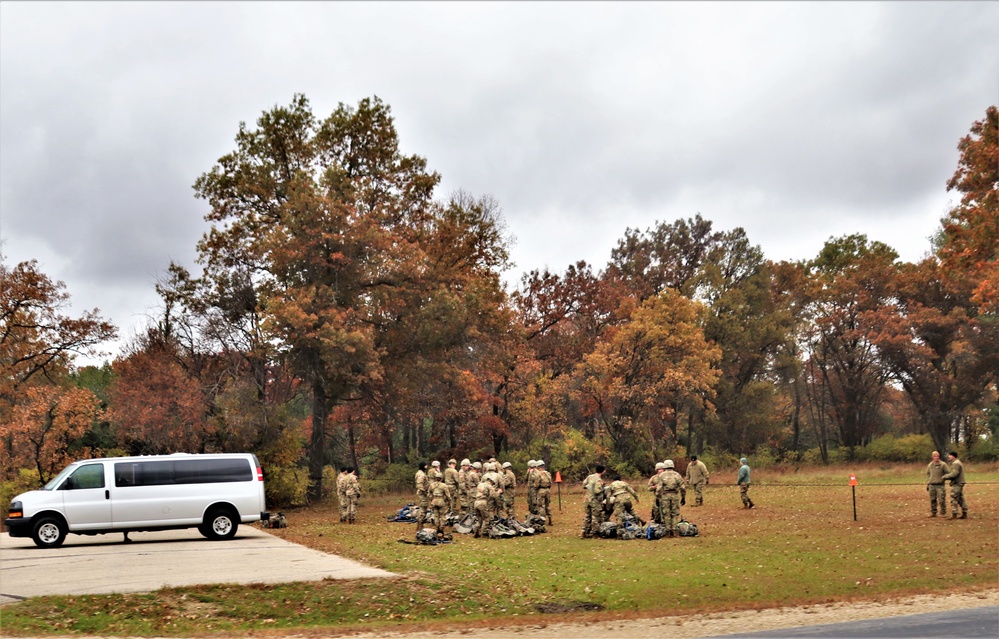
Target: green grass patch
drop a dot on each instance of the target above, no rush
(800, 545)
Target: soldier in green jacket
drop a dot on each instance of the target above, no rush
(935, 484)
(697, 476)
(956, 477)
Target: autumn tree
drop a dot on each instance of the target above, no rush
(632, 382)
(334, 227)
(969, 239)
(851, 288)
(43, 414)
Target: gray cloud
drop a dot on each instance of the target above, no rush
(796, 121)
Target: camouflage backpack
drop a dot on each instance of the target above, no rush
(498, 529)
(607, 529)
(654, 531)
(686, 529)
(630, 529)
(537, 522)
(466, 525)
(430, 537)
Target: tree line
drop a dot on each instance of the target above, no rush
(346, 316)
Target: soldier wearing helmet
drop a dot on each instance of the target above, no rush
(652, 487)
(671, 493)
(509, 490)
(451, 481)
(543, 498)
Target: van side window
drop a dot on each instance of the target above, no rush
(182, 471)
(88, 476)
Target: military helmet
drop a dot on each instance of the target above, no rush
(507, 465)
(451, 461)
(540, 462)
(668, 463)
(477, 465)
(435, 463)
(531, 463)
(660, 466)
(465, 462)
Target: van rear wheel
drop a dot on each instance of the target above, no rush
(219, 524)
(48, 532)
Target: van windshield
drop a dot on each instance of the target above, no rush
(55, 481)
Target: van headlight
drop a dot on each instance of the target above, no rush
(16, 510)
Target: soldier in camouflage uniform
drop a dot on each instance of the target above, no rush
(465, 488)
(542, 501)
(935, 484)
(697, 476)
(744, 483)
(620, 494)
(671, 492)
(509, 490)
(422, 494)
(341, 496)
(474, 478)
(956, 477)
(532, 487)
(352, 492)
(435, 471)
(652, 487)
(486, 494)
(451, 481)
(593, 508)
(440, 500)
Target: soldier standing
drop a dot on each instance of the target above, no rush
(542, 501)
(422, 494)
(465, 487)
(440, 499)
(653, 488)
(936, 486)
(672, 493)
(341, 496)
(697, 476)
(956, 477)
(352, 492)
(451, 481)
(435, 471)
(532, 487)
(744, 483)
(485, 497)
(509, 490)
(593, 486)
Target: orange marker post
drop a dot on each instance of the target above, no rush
(558, 480)
(853, 488)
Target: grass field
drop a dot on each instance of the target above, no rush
(800, 545)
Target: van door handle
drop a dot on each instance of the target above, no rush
(107, 494)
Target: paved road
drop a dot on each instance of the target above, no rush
(977, 623)
(103, 564)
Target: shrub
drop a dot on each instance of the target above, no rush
(286, 486)
(25, 480)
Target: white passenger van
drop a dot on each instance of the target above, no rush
(214, 493)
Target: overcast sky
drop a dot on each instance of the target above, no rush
(795, 121)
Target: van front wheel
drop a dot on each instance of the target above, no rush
(221, 523)
(48, 532)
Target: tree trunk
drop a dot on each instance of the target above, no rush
(317, 444)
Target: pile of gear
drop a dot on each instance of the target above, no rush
(468, 523)
(635, 528)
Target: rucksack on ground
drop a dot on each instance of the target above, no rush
(686, 529)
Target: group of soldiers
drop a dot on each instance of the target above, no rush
(938, 473)
(348, 491)
(617, 499)
(486, 491)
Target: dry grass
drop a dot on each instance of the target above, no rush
(800, 546)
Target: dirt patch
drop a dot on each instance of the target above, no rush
(554, 608)
(708, 625)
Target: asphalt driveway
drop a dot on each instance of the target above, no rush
(103, 564)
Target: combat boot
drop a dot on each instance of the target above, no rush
(953, 515)
(964, 515)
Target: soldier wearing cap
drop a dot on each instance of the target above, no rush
(542, 501)
(697, 476)
(451, 481)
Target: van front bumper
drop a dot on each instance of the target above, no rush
(19, 527)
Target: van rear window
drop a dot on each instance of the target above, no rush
(181, 471)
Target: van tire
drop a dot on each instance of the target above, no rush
(48, 532)
(220, 524)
